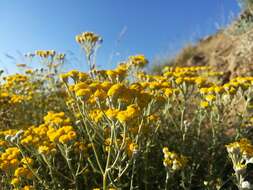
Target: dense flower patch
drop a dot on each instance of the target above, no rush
(124, 128)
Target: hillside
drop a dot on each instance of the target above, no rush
(229, 50)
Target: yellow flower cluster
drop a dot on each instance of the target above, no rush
(9, 159)
(56, 119)
(212, 91)
(43, 140)
(191, 69)
(116, 90)
(243, 147)
(89, 37)
(138, 61)
(63, 135)
(13, 80)
(23, 172)
(75, 75)
(37, 138)
(81, 147)
(231, 87)
(132, 148)
(4, 133)
(18, 169)
(241, 154)
(130, 113)
(116, 75)
(20, 90)
(45, 53)
(27, 187)
(173, 161)
(11, 163)
(56, 128)
(114, 120)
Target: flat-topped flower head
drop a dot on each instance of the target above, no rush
(45, 53)
(88, 37)
(241, 154)
(138, 60)
(173, 161)
(89, 41)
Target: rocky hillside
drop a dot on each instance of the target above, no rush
(229, 50)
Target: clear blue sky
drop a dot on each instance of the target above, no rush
(151, 27)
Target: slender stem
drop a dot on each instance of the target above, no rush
(167, 181)
(132, 176)
(91, 140)
(105, 181)
(108, 162)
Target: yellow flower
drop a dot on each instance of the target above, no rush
(179, 80)
(96, 115)
(218, 89)
(14, 162)
(203, 90)
(173, 161)
(122, 116)
(80, 85)
(74, 74)
(45, 53)
(138, 60)
(27, 140)
(232, 90)
(210, 97)
(85, 93)
(29, 71)
(66, 129)
(100, 94)
(204, 104)
(27, 161)
(200, 81)
(87, 37)
(168, 92)
(132, 147)
(111, 73)
(21, 172)
(64, 77)
(3, 143)
(64, 139)
(28, 187)
(4, 165)
(243, 146)
(71, 135)
(106, 85)
(133, 110)
(43, 149)
(53, 136)
(112, 113)
(15, 181)
(80, 147)
(130, 113)
(116, 90)
(82, 76)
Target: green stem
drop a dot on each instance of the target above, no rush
(105, 181)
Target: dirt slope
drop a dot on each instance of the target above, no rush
(229, 50)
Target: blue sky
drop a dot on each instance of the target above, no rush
(151, 27)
